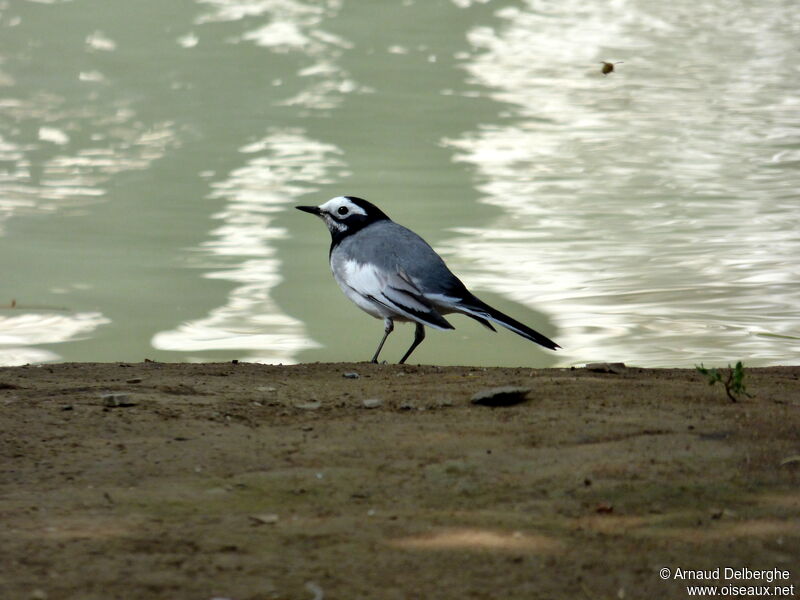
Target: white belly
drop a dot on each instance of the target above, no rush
(358, 281)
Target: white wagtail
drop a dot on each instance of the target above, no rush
(393, 274)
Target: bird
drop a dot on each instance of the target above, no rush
(609, 67)
(391, 273)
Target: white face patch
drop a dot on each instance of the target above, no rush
(336, 211)
(340, 208)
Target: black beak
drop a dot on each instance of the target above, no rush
(314, 210)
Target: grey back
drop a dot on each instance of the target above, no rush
(394, 248)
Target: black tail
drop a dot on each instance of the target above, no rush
(479, 310)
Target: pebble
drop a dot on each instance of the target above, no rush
(372, 403)
(134, 380)
(308, 405)
(501, 396)
(312, 587)
(265, 519)
(114, 400)
(719, 513)
(351, 375)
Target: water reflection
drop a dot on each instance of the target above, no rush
(286, 164)
(64, 134)
(47, 170)
(626, 213)
(294, 27)
(650, 213)
(21, 333)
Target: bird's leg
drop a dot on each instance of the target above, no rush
(419, 335)
(388, 327)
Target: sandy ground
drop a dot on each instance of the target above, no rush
(255, 482)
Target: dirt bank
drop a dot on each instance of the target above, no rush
(255, 482)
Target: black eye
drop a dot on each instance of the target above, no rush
(342, 210)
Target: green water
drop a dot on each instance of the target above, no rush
(151, 154)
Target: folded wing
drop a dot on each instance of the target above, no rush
(394, 291)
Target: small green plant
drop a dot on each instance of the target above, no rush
(733, 383)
